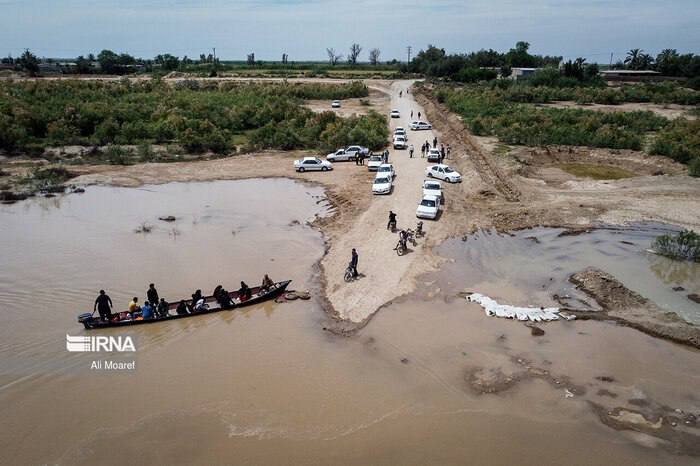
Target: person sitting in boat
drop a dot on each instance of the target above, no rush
(224, 298)
(182, 308)
(134, 308)
(244, 292)
(162, 308)
(201, 306)
(147, 311)
(196, 297)
(267, 283)
(216, 292)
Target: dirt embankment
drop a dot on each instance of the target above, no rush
(624, 306)
(546, 195)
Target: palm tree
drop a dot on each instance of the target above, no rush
(632, 58)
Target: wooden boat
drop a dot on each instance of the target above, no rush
(257, 296)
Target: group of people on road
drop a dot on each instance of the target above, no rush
(444, 150)
(412, 115)
(155, 307)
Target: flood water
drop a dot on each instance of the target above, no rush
(267, 385)
(537, 263)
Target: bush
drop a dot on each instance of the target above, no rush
(684, 245)
(694, 167)
(199, 116)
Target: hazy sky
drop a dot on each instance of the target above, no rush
(304, 28)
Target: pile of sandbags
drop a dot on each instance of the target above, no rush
(493, 309)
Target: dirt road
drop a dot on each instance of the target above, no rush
(384, 275)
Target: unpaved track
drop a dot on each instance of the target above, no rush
(384, 275)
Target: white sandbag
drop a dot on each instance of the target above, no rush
(493, 308)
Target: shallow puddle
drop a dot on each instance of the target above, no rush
(267, 385)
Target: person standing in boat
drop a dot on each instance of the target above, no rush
(103, 304)
(152, 295)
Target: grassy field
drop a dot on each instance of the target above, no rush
(596, 172)
(505, 112)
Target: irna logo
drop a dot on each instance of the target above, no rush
(94, 344)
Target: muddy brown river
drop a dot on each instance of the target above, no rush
(266, 385)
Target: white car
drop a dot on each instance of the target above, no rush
(432, 188)
(420, 125)
(399, 130)
(335, 104)
(387, 169)
(443, 172)
(395, 114)
(346, 154)
(312, 163)
(382, 184)
(428, 207)
(340, 155)
(374, 162)
(400, 142)
(434, 156)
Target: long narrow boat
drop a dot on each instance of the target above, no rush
(257, 296)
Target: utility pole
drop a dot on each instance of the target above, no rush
(214, 50)
(611, 59)
(409, 53)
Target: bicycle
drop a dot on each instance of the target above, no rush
(349, 274)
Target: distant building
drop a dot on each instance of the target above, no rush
(632, 75)
(518, 74)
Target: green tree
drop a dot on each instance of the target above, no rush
(29, 63)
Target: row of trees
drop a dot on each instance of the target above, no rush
(435, 62)
(109, 62)
(668, 62)
(353, 55)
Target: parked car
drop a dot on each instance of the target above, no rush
(428, 207)
(342, 155)
(399, 130)
(312, 163)
(420, 125)
(360, 149)
(374, 162)
(386, 168)
(335, 104)
(400, 142)
(395, 114)
(383, 183)
(432, 188)
(434, 156)
(443, 172)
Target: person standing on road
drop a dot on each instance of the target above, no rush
(391, 224)
(357, 158)
(419, 115)
(442, 153)
(448, 151)
(410, 151)
(400, 94)
(103, 304)
(434, 142)
(411, 114)
(353, 263)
